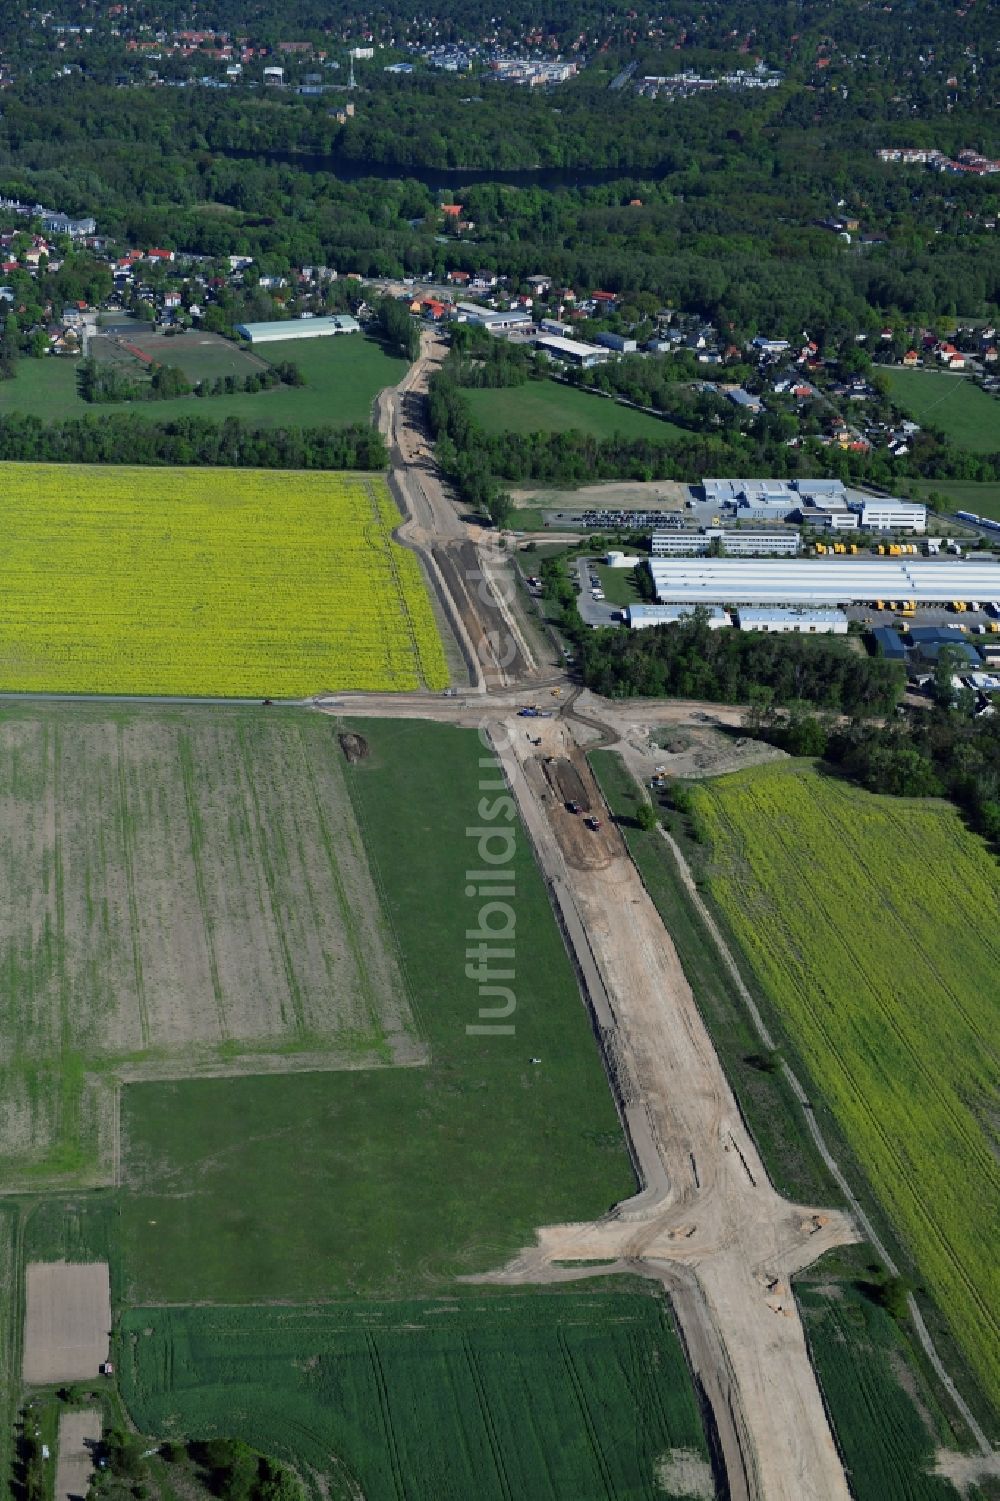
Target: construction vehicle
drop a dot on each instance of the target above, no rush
(820, 548)
(853, 549)
(958, 605)
(880, 604)
(894, 550)
(909, 607)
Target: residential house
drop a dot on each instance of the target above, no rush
(911, 358)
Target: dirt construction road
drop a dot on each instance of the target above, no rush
(708, 1223)
(470, 576)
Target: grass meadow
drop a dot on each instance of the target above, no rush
(343, 376)
(963, 495)
(515, 1395)
(548, 406)
(970, 417)
(869, 923)
(388, 1182)
(212, 583)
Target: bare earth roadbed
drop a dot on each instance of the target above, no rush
(67, 1321)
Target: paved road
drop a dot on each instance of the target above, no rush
(593, 611)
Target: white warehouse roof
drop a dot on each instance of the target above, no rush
(298, 328)
(833, 581)
(640, 616)
(753, 618)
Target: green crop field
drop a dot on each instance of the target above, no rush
(532, 1395)
(547, 406)
(969, 416)
(379, 1182)
(885, 1418)
(343, 376)
(218, 583)
(186, 891)
(870, 923)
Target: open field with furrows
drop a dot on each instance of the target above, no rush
(389, 1182)
(869, 922)
(208, 582)
(548, 406)
(540, 1395)
(885, 1418)
(970, 417)
(185, 891)
(343, 376)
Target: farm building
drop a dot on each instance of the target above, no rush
(811, 583)
(298, 328)
(639, 617)
(803, 622)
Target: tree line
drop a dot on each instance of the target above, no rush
(100, 381)
(124, 438)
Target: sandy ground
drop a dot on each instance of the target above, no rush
(79, 1435)
(966, 1470)
(635, 495)
(708, 1224)
(67, 1321)
(694, 751)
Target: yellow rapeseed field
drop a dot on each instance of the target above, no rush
(214, 582)
(871, 924)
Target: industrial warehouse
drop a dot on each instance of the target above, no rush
(298, 328)
(824, 582)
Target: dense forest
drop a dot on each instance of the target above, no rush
(727, 222)
(124, 439)
(691, 660)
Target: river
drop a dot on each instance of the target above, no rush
(449, 178)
